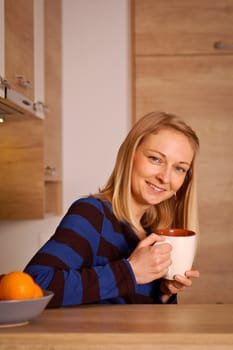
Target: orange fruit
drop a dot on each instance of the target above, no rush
(38, 292)
(18, 285)
(1, 276)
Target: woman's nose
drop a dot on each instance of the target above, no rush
(164, 174)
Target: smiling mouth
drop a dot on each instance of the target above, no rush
(155, 188)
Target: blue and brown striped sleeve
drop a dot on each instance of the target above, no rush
(78, 263)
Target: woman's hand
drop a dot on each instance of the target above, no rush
(169, 287)
(149, 261)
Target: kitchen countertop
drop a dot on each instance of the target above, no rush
(198, 326)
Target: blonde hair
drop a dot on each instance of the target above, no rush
(180, 212)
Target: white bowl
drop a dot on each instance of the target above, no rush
(18, 312)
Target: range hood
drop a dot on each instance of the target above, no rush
(14, 105)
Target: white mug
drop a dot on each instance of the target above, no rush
(183, 244)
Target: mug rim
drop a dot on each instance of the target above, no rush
(175, 232)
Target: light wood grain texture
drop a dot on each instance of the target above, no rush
(53, 98)
(21, 164)
(53, 200)
(199, 89)
(26, 191)
(19, 49)
(175, 70)
(181, 26)
(126, 327)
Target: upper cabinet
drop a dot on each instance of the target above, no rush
(52, 99)
(182, 27)
(19, 46)
(22, 53)
(30, 138)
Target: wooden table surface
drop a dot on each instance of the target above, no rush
(198, 326)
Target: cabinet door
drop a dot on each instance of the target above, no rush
(2, 58)
(177, 69)
(174, 27)
(53, 98)
(22, 192)
(19, 46)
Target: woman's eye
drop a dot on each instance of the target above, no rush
(181, 169)
(155, 159)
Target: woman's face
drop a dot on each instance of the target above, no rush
(160, 164)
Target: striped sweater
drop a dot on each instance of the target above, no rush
(85, 261)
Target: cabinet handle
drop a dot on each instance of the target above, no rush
(50, 171)
(218, 45)
(23, 82)
(40, 107)
(4, 83)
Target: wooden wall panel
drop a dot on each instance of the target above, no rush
(199, 89)
(175, 72)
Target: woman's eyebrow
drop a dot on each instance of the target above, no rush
(155, 150)
(185, 163)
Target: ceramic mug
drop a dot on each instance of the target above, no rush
(184, 244)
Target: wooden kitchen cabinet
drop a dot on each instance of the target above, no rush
(182, 62)
(22, 174)
(53, 97)
(176, 27)
(23, 49)
(19, 46)
(30, 159)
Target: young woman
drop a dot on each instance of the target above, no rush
(103, 250)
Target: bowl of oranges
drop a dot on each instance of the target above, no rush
(21, 299)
